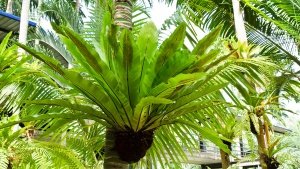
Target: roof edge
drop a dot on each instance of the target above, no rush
(16, 18)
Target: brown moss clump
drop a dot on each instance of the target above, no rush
(271, 162)
(132, 146)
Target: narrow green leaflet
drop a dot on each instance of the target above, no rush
(46, 116)
(141, 112)
(4, 43)
(147, 51)
(204, 44)
(164, 89)
(78, 107)
(132, 67)
(193, 96)
(170, 46)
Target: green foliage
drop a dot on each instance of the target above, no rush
(18, 150)
(127, 84)
(129, 81)
(289, 147)
(109, 93)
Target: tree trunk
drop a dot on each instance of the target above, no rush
(24, 23)
(268, 137)
(225, 159)
(123, 13)
(111, 157)
(242, 37)
(239, 22)
(77, 5)
(9, 6)
(262, 145)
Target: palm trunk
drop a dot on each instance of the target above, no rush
(266, 127)
(242, 37)
(262, 145)
(9, 6)
(123, 13)
(24, 23)
(77, 5)
(239, 22)
(111, 157)
(225, 159)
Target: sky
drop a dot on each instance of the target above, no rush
(161, 12)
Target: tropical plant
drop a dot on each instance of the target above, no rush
(158, 96)
(62, 12)
(258, 105)
(18, 150)
(141, 92)
(162, 45)
(12, 71)
(225, 121)
(283, 14)
(218, 14)
(148, 86)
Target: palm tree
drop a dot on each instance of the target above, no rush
(64, 12)
(282, 29)
(262, 131)
(77, 5)
(256, 7)
(258, 105)
(241, 35)
(110, 62)
(225, 122)
(122, 108)
(12, 70)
